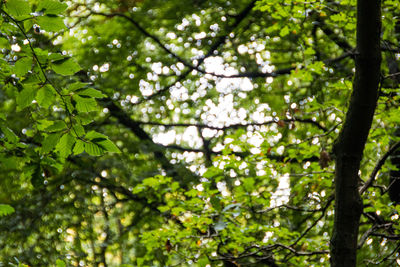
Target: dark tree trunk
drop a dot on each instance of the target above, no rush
(350, 144)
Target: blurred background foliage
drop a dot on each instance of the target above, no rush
(225, 114)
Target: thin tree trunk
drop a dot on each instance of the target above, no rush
(351, 142)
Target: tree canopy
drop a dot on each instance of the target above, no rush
(199, 133)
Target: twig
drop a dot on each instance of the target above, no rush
(378, 167)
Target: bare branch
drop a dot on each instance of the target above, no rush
(234, 126)
(378, 166)
(330, 199)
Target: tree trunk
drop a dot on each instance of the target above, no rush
(350, 144)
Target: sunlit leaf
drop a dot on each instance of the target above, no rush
(6, 209)
(51, 23)
(65, 66)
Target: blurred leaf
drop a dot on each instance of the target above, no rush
(6, 209)
(60, 263)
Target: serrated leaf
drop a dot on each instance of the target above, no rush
(50, 142)
(79, 147)
(78, 130)
(64, 146)
(56, 126)
(108, 146)
(102, 141)
(46, 96)
(93, 135)
(65, 66)
(91, 92)
(18, 8)
(9, 134)
(67, 104)
(51, 7)
(51, 23)
(6, 209)
(93, 149)
(76, 86)
(85, 104)
(22, 66)
(25, 97)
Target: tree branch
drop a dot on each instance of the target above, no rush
(233, 126)
(378, 166)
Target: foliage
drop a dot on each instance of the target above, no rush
(185, 133)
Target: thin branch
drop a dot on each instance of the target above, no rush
(330, 199)
(378, 167)
(302, 253)
(390, 237)
(291, 208)
(371, 231)
(396, 249)
(234, 126)
(365, 236)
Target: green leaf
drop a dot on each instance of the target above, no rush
(93, 149)
(76, 85)
(91, 92)
(51, 7)
(108, 146)
(57, 126)
(56, 56)
(216, 203)
(60, 263)
(78, 130)
(9, 134)
(284, 31)
(22, 66)
(51, 23)
(50, 142)
(93, 135)
(203, 261)
(4, 43)
(85, 104)
(28, 24)
(25, 97)
(65, 145)
(6, 209)
(102, 141)
(65, 66)
(46, 96)
(18, 8)
(79, 147)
